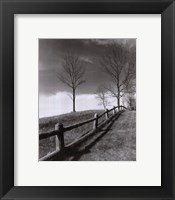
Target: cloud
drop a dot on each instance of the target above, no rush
(86, 59)
(51, 53)
(104, 42)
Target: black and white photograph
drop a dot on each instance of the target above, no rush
(87, 99)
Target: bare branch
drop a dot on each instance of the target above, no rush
(72, 73)
(119, 64)
(101, 95)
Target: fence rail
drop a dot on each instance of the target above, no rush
(60, 130)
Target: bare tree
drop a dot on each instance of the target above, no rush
(102, 97)
(119, 63)
(72, 73)
(131, 101)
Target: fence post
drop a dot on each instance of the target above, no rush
(114, 110)
(95, 124)
(107, 116)
(59, 137)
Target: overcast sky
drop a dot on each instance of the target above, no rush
(51, 53)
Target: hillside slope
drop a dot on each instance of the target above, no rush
(48, 124)
(115, 142)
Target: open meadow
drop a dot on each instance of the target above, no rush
(47, 124)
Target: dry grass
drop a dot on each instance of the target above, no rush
(115, 142)
(47, 124)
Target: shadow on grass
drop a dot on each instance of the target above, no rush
(74, 154)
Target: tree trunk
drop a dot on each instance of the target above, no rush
(118, 97)
(73, 92)
(104, 105)
(118, 101)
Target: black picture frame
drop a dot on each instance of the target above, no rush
(8, 8)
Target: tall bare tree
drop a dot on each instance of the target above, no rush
(72, 73)
(119, 63)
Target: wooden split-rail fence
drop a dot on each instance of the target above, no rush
(60, 130)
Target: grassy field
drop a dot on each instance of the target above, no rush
(115, 142)
(47, 146)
